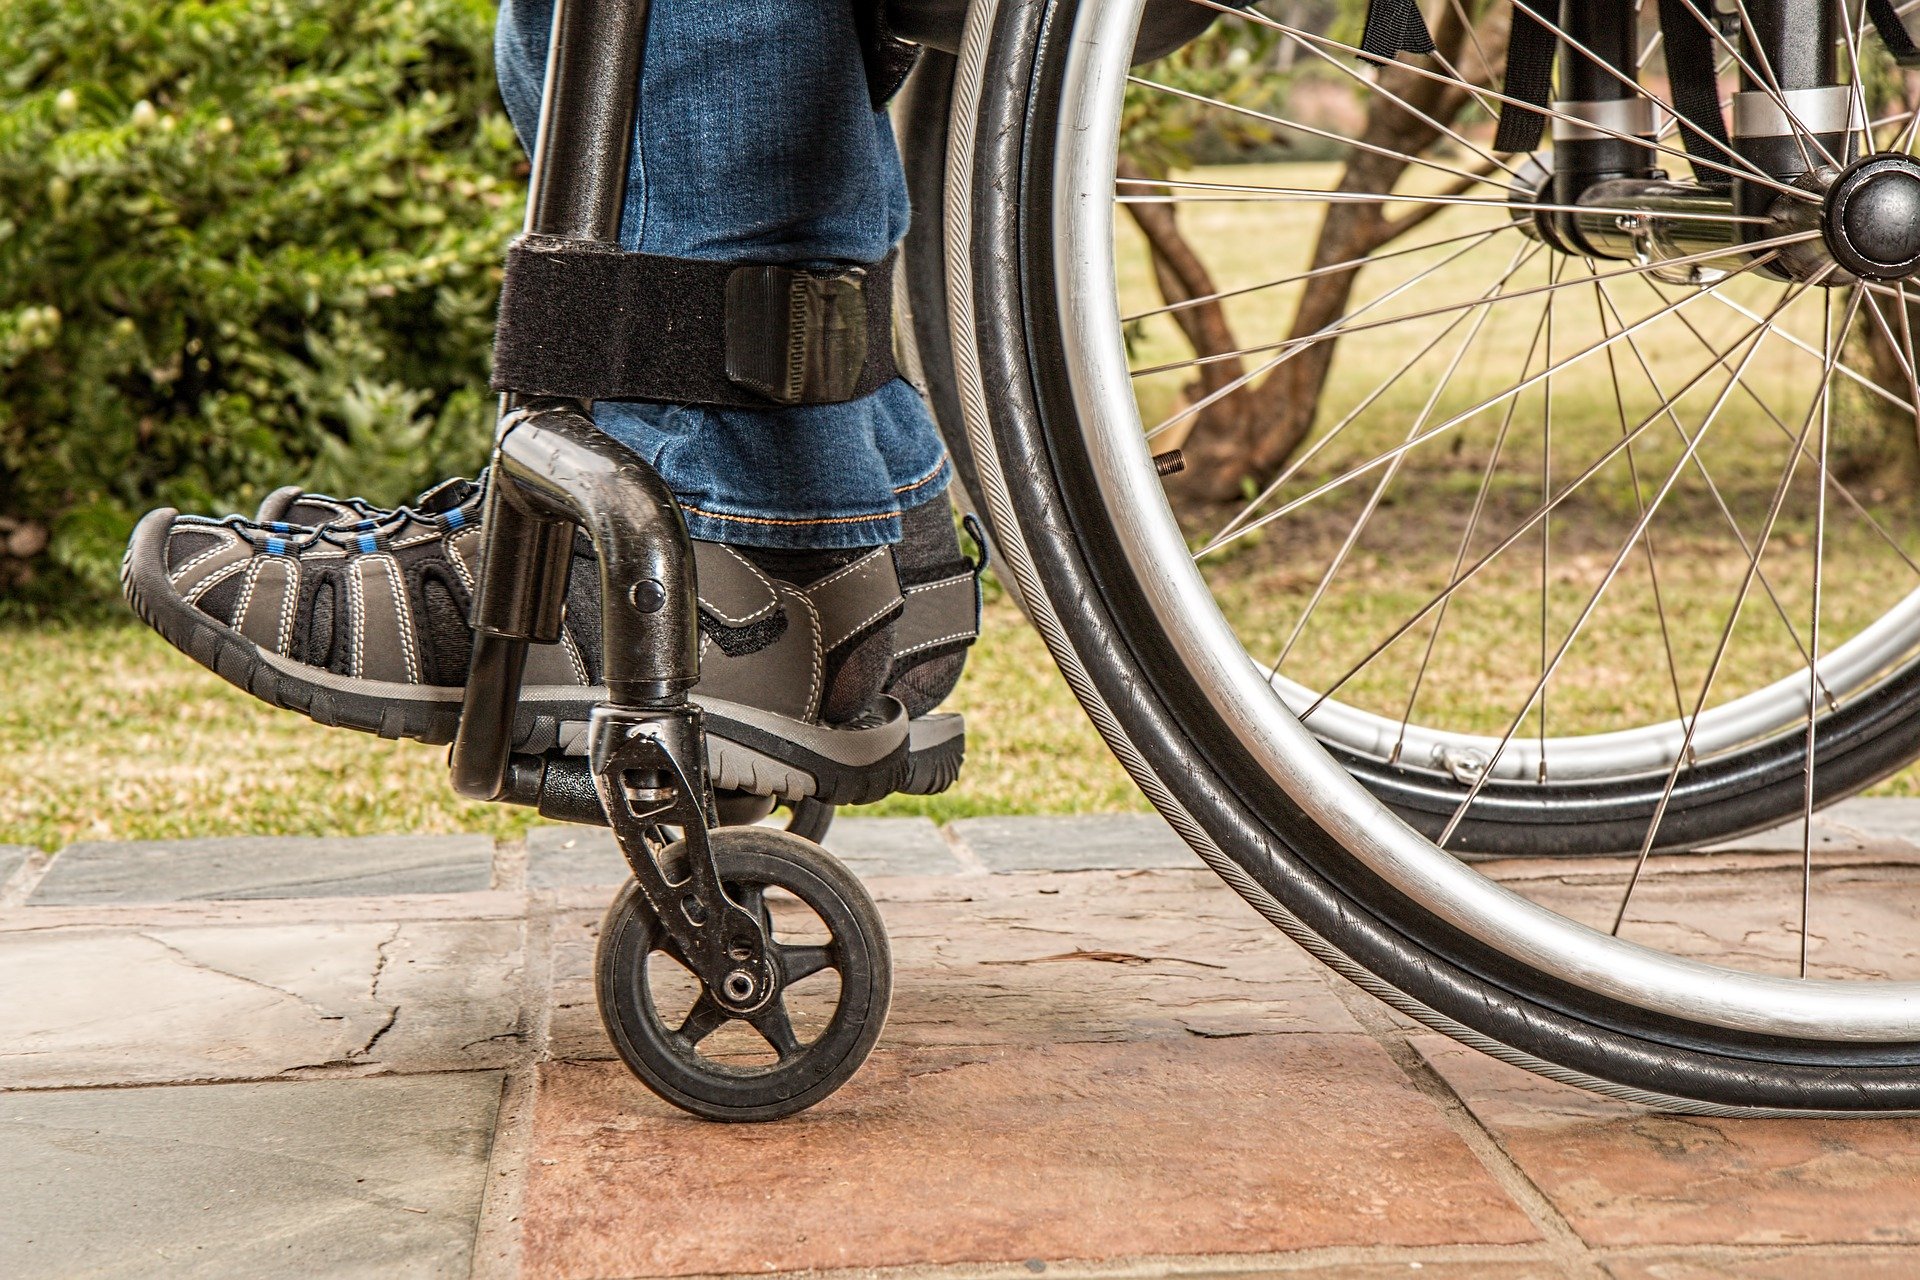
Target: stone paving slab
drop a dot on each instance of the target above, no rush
(12, 858)
(1097, 842)
(1755, 1264)
(1624, 1175)
(942, 1156)
(565, 856)
(180, 1002)
(1743, 908)
(1023, 960)
(341, 1177)
(263, 867)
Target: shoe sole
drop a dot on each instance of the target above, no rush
(747, 749)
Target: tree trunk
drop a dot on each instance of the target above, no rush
(1246, 437)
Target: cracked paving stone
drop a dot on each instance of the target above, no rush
(943, 1156)
(1098, 842)
(263, 867)
(174, 1003)
(1623, 1174)
(561, 856)
(378, 1177)
(1038, 961)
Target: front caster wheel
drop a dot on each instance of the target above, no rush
(836, 978)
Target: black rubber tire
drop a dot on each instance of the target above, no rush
(809, 819)
(630, 934)
(1192, 765)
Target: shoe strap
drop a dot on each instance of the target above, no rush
(855, 598)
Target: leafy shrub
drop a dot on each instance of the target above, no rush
(242, 243)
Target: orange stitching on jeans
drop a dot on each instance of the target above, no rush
(937, 468)
(720, 515)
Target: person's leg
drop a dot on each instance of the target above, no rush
(756, 142)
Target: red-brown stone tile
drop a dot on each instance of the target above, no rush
(1044, 960)
(1625, 1175)
(1785, 1264)
(946, 1155)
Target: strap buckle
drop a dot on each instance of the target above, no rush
(796, 336)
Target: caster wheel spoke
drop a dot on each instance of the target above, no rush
(741, 1081)
(803, 962)
(705, 1018)
(776, 1028)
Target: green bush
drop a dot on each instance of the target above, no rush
(242, 242)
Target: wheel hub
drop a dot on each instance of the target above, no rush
(1870, 219)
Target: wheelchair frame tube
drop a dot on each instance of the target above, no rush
(589, 104)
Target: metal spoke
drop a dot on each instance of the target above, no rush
(1466, 543)
(1758, 339)
(1813, 667)
(776, 1028)
(1330, 269)
(1833, 482)
(1520, 531)
(1376, 85)
(1242, 379)
(1546, 526)
(1386, 477)
(1256, 193)
(1747, 171)
(1333, 433)
(1842, 368)
(1340, 329)
(1706, 476)
(1769, 84)
(1327, 134)
(1726, 633)
(1602, 303)
(1381, 459)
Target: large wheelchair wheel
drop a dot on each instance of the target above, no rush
(1166, 644)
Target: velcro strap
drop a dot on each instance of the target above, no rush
(942, 612)
(730, 588)
(1395, 27)
(1692, 69)
(856, 597)
(1893, 32)
(1531, 49)
(590, 322)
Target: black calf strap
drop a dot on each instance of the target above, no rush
(1692, 72)
(1531, 50)
(1893, 32)
(1395, 27)
(589, 322)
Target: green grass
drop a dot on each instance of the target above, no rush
(109, 734)
(106, 733)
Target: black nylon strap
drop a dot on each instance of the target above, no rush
(1531, 50)
(1893, 32)
(1695, 86)
(1395, 27)
(589, 322)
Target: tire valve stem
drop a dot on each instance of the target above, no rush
(1169, 463)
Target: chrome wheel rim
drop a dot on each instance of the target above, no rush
(1257, 712)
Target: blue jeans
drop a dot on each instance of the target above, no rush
(757, 142)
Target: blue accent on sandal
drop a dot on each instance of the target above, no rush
(368, 544)
(456, 518)
(276, 546)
